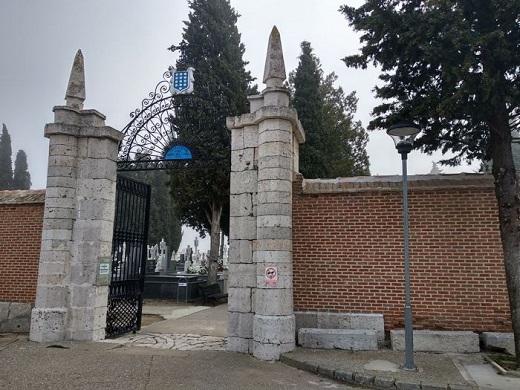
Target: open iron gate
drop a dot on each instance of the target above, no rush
(125, 297)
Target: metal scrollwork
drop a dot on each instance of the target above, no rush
(151, 133)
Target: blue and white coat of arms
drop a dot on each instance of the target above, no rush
(182, 81)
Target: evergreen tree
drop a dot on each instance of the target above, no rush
(164, 222)
(454, 67)
(6, 163)
(211, 45)
(21, 177)
(335, 143)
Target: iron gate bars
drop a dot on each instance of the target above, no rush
(125, 299)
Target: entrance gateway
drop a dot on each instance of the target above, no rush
(151, 142)
(78, 225)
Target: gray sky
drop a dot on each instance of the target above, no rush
(124, 44)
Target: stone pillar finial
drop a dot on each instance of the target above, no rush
(274, 71)
(75, 95)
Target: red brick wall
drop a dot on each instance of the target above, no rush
(21, 219)
(348, 251)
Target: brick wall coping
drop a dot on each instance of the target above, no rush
(22, 196)
(393, 183)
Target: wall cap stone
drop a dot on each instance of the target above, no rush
(22, 196)
(394, 183)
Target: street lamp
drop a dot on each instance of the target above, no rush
(403, 134)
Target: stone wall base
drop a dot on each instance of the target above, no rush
(15, 317)
(437, 341)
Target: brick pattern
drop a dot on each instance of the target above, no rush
(21, 213)
(348, 251)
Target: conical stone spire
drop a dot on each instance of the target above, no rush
(274, 71)
(75, 95)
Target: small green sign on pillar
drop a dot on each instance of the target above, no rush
(104, 271)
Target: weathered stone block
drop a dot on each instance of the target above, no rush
(99, 189)
(48, 325)
(274, 221)
(102, 148)
(60, 192)
(15, 317)
(240, 325)
(237, 139)
(283, 233)
(51, 296)
(271, 149)
(272, 257)
(243, 160)
(241, 205)
(92, 230)
(61, 171)
(58, 224)
(274, 197)
(274, 174)
(69, 149)
(239, 344)
(92, 209)
(350, 339)
(243, 182)
(275, 135)
(58, 213)
(272, 245)
(274, 329)
(240, 299)
(50, 245)
(56, 234)
(496, 340)
(275, 161)
(240, 251)
(306, 319)
(271, 351)
(274, 186)
(437, 341)
(251, 136)
(242, 275)
(273, 123)
(274, 209)
(242, 228)
(97, 169)
(274, 302)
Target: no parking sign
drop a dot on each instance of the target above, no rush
(271, 275)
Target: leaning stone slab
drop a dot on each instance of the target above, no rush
(496, 340)
(349, 339)
(437, 341)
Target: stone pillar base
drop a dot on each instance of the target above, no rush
(239, 344)
(48, 325)
(273, 335)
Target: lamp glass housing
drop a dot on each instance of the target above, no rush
(403, 133)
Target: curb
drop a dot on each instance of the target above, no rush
(366, 380)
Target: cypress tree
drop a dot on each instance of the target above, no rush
(22, 177)
(211, 45)
(6, 163)
(335, 144)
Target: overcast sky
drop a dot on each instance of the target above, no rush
(124, 45)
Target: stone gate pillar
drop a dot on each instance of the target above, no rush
(265, 146)
(71, 301)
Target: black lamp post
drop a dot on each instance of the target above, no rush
(403, 134)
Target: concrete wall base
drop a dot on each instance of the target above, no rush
(15, 317)
(437, 341)
(499, 341)
(350, 339)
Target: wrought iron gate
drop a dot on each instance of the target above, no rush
(125, 299)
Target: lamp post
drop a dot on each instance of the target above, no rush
(403, 134)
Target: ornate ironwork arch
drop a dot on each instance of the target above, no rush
(151, 139)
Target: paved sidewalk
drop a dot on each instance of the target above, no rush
(187, 351)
